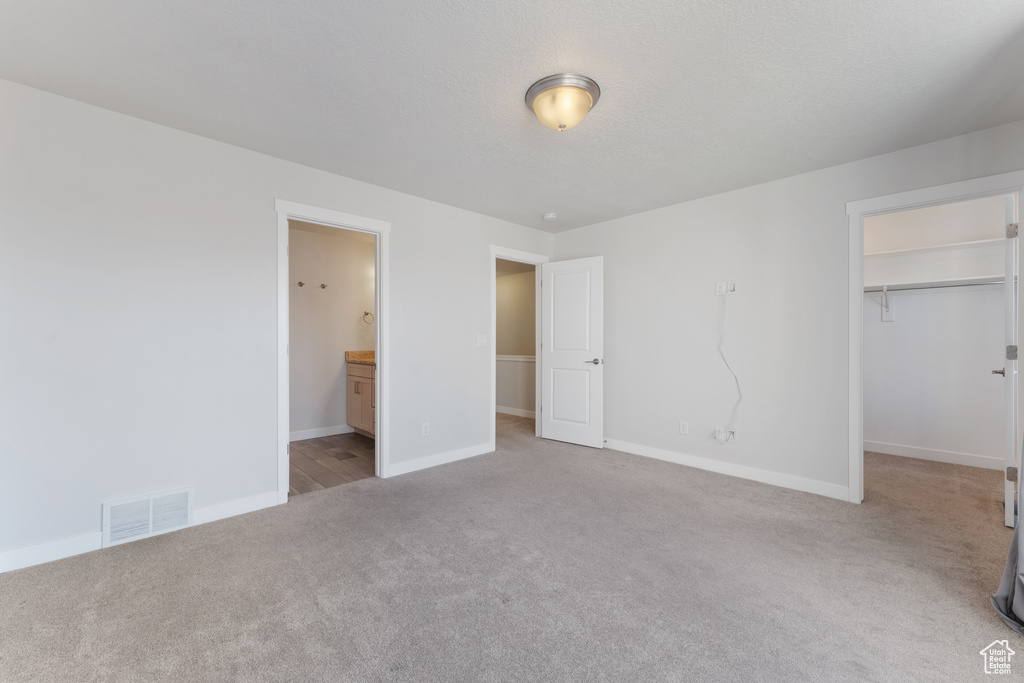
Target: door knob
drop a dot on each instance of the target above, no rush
(595, 361)
(1000, 372)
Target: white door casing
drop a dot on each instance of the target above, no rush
(1010, 364)
(287, 210)
(572, 351)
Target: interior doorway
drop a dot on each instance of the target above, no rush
(568, 343)
(515, 339)
(332, 349)
(339, 385)
(934, 334)
(933, 303)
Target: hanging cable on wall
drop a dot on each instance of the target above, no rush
(728, 434)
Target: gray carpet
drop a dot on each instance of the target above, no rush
(541, 562)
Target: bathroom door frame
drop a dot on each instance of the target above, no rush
(288, 210)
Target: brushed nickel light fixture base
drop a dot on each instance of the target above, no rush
(561, 101)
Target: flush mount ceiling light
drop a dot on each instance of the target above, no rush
(561, 101)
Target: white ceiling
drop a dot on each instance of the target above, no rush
(426, 97)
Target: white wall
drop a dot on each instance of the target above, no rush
(325, 323)
(786, 245)
(138, 290)
(516, 385)
(929, 391)
(516, 314)
(515, 325)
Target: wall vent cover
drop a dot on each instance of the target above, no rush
(134, 518)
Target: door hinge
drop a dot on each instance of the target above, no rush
(1011, 231)
(1011, 352)
(288, 449)
(1011, 474)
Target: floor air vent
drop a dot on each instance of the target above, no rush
(134, 518)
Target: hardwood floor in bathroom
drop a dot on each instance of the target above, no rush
(330, 461)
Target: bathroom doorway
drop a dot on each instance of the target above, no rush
(332, 348)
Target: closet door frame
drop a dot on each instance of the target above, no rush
(977, 188)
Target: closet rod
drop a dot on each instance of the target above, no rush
(940, 284)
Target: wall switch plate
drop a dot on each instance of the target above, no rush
(720, 288)
(684, 427)
(730, 288)
(426, 429)
(481, 340)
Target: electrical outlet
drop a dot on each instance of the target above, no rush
(426, 429)
(481, 340)
(725, 434)
(684, 427)
(730, 288)
(720, 288)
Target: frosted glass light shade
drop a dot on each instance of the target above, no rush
(563, 107)
(561, 101)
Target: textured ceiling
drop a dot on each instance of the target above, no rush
(426, 97)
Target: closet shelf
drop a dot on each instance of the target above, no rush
(939, 284)
(937, 247)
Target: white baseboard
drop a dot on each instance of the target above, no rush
(48, 552)
(398, 468)
(518, 412)
(66, 547)
(788, 481)
(952, 457)
(239, 506)
(304, 434)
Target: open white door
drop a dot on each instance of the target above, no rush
(572, 351)
(1010, 368)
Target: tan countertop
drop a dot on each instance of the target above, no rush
(361, 357)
